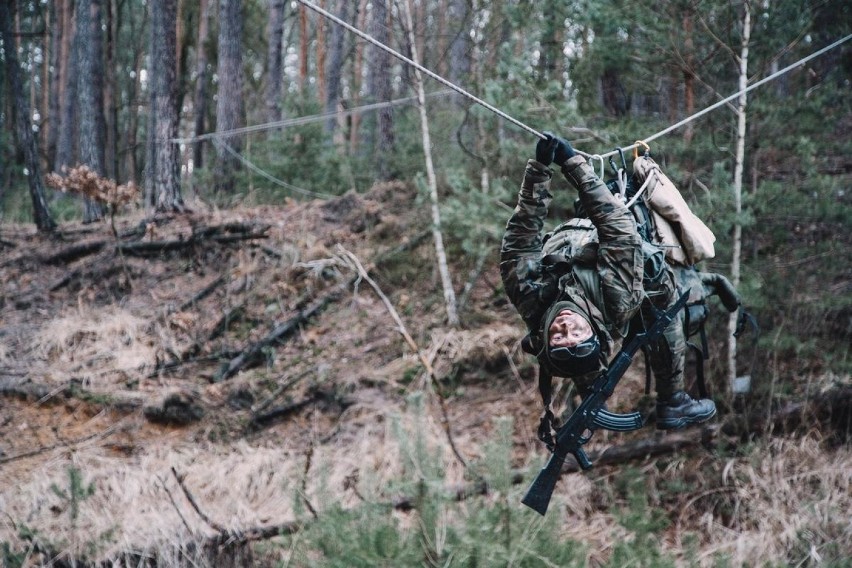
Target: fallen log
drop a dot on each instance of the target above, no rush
(75, 252)
(203, 293)
(254, 353)
(21, 387)
(270, 417)
(230, 232)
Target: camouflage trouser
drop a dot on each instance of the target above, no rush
(668, 354)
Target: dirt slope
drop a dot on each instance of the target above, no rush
(126, 365)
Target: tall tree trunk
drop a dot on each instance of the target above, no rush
(357, 70)
(335, 69)
(166, 170)
(201, 76)
(229, 104)
(110, 93)
(440, 253)
(460, 46)
(549, 51)
(441, 37)
(688, 75)
(131, 164)
(379, 86)
(58, 62)
(90, 96)
(274, 60)
(738, 189)
(181, 50)
(320, 72)
(26, 137)
(303, 48)
(128, 134)
(482, 138)
(67, 131)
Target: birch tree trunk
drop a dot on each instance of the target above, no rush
(738, 190)
(443, 267)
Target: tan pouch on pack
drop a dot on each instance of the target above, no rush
(685, 237)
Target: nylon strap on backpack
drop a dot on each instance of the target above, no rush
(701, 353)
(700, 357)
(746, 318)
(545, 425)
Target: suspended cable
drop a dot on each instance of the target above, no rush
(730, 98)
(221, 143)
(419, 67)
(497, 111)
(301, 119)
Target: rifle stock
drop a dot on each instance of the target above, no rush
(539, 493)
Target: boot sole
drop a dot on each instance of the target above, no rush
(678, 423)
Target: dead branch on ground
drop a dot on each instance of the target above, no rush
(254, 353)
(355, 263)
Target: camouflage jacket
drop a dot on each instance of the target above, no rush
(607, 280)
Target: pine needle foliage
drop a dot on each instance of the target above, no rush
(438, 529)
(76, 492)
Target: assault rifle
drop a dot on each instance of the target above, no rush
(591, 414)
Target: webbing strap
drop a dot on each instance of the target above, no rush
(647, 353)
(545, 425)
(700, 356)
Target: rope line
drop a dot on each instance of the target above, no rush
(516, 122)
(300, 120)
(245, 161)
(420, 68)
(728, 99)
(217, 137)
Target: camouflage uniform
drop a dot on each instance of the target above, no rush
(603, 278)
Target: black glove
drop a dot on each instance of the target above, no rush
(564, 152)
(545, 149)
(553, 149)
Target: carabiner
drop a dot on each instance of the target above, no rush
(636, 148)
(597, 157)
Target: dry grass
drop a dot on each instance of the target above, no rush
(790, 504)
(138, 502)
(785, 503)
(111, 340)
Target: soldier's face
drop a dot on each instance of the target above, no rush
(568, 329)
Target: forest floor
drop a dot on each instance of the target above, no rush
(222, 372)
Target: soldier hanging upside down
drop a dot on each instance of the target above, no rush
(579, 293)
